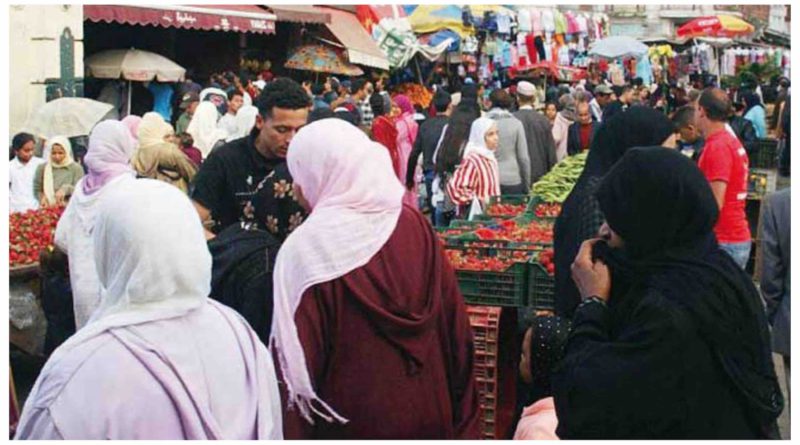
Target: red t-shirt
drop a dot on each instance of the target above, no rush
(724, 159)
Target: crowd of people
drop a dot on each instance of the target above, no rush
(266, 268)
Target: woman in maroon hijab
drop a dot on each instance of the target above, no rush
(369, 327)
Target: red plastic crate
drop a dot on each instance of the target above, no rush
(495, 364)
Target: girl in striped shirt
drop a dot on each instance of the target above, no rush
(477, 177)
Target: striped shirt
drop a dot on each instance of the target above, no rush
(476, 177)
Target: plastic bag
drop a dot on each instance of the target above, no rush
(475, 209)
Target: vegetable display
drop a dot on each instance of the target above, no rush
(506, 209)
(556, 185)
(547, 210)
(30, 233)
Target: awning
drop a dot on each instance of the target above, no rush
(236, 18)
(300, 14)
(361, 49)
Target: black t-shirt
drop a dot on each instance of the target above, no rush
(228, 178)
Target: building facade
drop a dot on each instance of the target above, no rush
(46, 57)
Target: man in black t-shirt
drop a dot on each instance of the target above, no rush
(228, 178)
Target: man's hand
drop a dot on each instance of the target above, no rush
(592, 278)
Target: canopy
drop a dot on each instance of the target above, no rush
(300, 14)
(372, 15)
(321, 59)
(237, 18)
(618, 46)
(431, 18)
(716, 26)
(359, 46)
(133, 64)
(67, 116)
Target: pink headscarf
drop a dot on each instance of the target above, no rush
(404, 103)
(132, 122)
(111, 147)
(355, 197)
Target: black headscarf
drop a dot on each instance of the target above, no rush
(662, 206)
(751, 100)
(549, 338)
(580, 215)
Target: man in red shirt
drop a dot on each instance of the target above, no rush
(725, 164)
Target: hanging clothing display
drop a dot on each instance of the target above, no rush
(503, 24)
(645, 70)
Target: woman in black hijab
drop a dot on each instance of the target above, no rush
(681, 351)
(580, 215)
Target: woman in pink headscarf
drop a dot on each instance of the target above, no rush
(132, 122)
(111, 147)
(390, 353)
(407, 130)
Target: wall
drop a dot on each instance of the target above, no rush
(35, 33)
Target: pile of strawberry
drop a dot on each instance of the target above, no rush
(548, 210)
(31, 232)
(545, 258)
(506, 210)
(475, 261)
(535, 232)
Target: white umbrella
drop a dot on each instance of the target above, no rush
(618, 46)
(133, 65)
(68, 117)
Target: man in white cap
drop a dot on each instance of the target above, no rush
(541, 146)
(602, 97)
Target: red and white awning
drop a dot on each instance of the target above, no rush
(236, 18)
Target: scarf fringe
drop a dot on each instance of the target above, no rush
(304, 402)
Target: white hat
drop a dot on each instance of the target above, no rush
(526, 89)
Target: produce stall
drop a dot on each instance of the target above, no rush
(505, 270)
(31, 233)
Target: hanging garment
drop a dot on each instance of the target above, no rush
(503, 24)
(540, 47)
(524, 20)
(645, 70)
(548, 21)
(522, 49)
(533, 53)
(561, 22)
(536, 21)
(583, 24)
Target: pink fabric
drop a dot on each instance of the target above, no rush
(164, 384)
(538, 421)
(111, 147)
(355, 201)
(132, 122)
(407, 130)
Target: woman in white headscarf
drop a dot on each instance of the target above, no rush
(55, 180)
(363, 293)
(204, 130)
(158, 155)
(477, 177)
(245, 120)
(158, 359)
(107, 161)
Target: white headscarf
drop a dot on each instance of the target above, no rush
(356, 200)
(47, 183)
(477, 137)
(137, 284)
(245, 120)
(203, 128)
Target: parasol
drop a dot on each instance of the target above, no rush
(321, 59)
(618, 47)
(67, 116)
(716, 26)
(133, 65)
